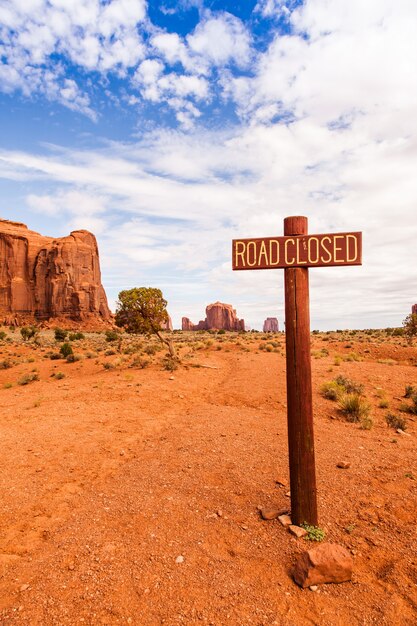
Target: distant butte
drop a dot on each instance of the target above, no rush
(414, 309)
(219, 316)
(44, 278)
(271, 325)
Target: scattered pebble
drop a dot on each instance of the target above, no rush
(285, 520)
(343, 465)
(180, 559)
(280, 482)
(297, 531)
(313, 588)
(288, 494)
(24, 587)
(122, 452)
(271, 513)
(171, 378)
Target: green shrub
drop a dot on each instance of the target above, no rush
(6, 364)
(221, 331)
(76, 336)
(60, 334)
(332, 390)
(314, 533)
(170, 364)
(66, 350)
(141, 362)
(59, 375)
(354, 407)
(28, 332)
(28, 378)
(112, 335)
(396, 421)
(2, 335)
(350, 385)
(55, 356)
(410, 391)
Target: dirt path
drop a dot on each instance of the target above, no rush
(108, 477)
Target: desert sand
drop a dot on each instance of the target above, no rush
(131, 494)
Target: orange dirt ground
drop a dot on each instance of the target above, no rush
(109, 475)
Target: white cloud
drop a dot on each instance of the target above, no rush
(221, 39)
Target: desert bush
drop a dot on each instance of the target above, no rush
(141, 362)
(60, 334)
(170, 364)
(55, 356)
(349, 385)
(6, 364)
(332, 390)
(73, 358)
(28, 332)
(410, 408)
(354, 407)
(109, 366)
(110, 353)
(112, 335)
(28, 378)
(2, 335)
(396, 421)
(58, 375)
(221, 331)
(410, 391)
(66, 350)
(150, 350)
(76, 336)
(383, 403)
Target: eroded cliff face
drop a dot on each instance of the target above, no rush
(44, 278)
(219, 316)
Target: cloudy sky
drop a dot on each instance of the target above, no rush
(168, 128)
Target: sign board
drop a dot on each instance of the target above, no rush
(298, 251)
(295, 253)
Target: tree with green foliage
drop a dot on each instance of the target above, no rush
(410, 327)
(143, 310)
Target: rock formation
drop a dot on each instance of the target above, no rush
(167, 325)
(271, 325)
(414, 309)
(43, 278)
(219, 316)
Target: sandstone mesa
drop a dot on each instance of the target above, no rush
(271, 325)
(44, 278)
(219, 316)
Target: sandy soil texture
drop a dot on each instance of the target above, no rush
(130, 494)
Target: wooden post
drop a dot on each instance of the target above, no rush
(299, 392)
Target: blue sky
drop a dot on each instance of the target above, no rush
(170, 128)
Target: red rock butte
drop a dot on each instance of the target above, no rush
(219, 316)
(414, 309)
(271, 325)
(43, 278)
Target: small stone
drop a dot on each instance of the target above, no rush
(343, 465)
(171, 378)
(269, 513)
(24, 587)
(297, 531)
(243, 527)
(71, 566)
(285, 520)
(219, 513)
(122, 452)
(288, 494)
(328, 563)
(400, 431)
(280, 482)
(180, 559)
(313, 587)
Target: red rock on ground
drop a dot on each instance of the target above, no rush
(43, 278)
(327, 563)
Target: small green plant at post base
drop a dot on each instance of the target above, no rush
(143, 311)
(314, 533)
